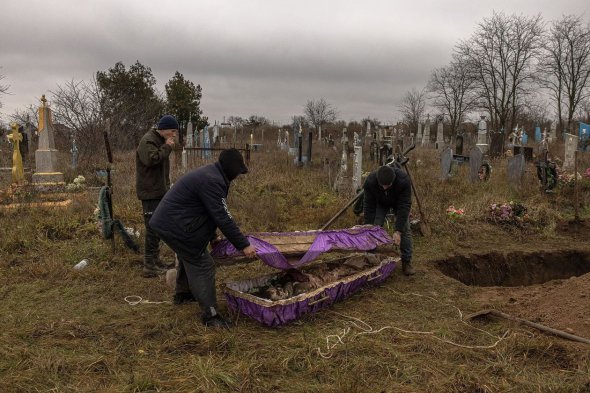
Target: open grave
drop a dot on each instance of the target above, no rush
(516, 268)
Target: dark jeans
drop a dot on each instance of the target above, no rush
(152, 240)
(406, 246)
(196, 274)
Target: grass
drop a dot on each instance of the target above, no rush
(63, 330)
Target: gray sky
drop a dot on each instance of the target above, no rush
(264, 57)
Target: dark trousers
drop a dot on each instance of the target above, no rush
(406, 245)
(152, 240)
(196, 274)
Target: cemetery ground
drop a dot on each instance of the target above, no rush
(71, 330)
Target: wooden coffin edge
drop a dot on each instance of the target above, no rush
(272, 303)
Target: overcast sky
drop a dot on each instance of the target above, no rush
(265, 57)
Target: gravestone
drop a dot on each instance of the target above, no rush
(357, 171)
(206, 143)
(571, 145)
(496, 144)
(46, 155)
(189, 134)
(515, 170)
(482, 135)
(440, 142)
(459, 145)
(553, 132)
(524, 150)
(426, 134)
(74, 151)
(475, 161)
(419, 133)
(18, 173)
(446, 160)
(538, 134)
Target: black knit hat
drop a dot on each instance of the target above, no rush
(168, 122)
(385, 175)
(232, 163)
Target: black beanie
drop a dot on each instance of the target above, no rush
(168, 122)
(232, 163)
(385, 175)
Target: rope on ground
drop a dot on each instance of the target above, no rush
(333, 340)
(134, 300)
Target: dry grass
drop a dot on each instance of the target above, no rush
(66, 330)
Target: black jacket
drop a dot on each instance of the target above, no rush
(193, 209)
(398, 197)
(152, 166)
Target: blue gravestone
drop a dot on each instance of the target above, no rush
(584, 131)
(525, 138)
(538, 136)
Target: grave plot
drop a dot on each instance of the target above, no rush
(515, 269)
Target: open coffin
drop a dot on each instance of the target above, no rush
(280, 298)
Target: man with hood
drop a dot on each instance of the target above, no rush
(387, 189)
(187, 219)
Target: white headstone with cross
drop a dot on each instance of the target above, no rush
(46, 154)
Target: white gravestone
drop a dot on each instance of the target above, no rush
(482, 135)
(571, 144)
(439, 135)
(419, 132)
(426, 134)
(189, 134)
(357, 172)
(46, 154)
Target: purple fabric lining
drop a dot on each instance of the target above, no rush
(364, 239)
(276, 315)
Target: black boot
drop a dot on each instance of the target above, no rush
(407, 268)
(211, 318)
(183, 298)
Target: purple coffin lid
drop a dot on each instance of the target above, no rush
(362, 238)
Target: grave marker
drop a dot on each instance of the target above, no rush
(482, 135)
(515, 170)
(475, 162)
(18, 173)
(571, 145)
(440, 142)
(446, 160)
(46, 154)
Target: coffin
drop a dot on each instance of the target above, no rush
(280, 298)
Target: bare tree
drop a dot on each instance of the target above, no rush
(77, 105)
(566, 71)
(3, 88)
(501, 56)
(453, 93)
(412, 107)
(318, 113)
(25, 116)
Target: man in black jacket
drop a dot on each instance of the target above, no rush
(385, 189)
(152, 165)
(187, 219)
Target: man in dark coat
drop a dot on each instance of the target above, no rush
(385, 189)
(187, 219)
(152, 166)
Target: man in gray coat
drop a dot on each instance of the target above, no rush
(152, 166)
